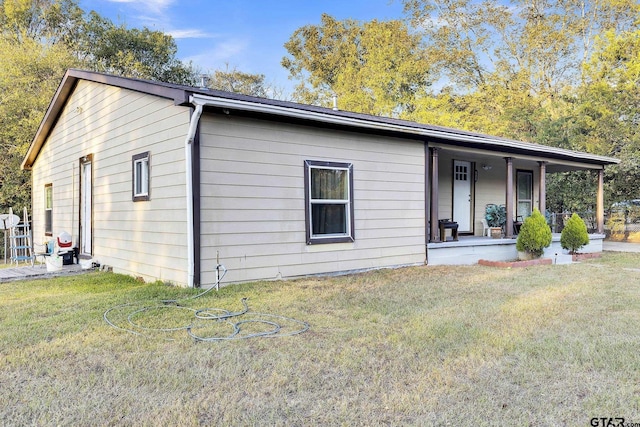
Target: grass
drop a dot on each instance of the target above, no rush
(470, 345)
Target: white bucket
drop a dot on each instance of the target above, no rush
(53, 262)
(86, 264)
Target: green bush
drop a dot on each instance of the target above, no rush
(535, 235)
(574, 234)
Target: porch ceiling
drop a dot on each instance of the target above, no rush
(497, 160)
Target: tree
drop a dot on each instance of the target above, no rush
(532, 45)
(142, 53)
(50, 21)
(514, 64)
(571, 191)
(378, 67)
(234, 80)
(605, 112)
(29, 76)
(39, 40)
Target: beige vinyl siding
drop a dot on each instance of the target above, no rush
(490, 189)
(146, 239)
(253, 204)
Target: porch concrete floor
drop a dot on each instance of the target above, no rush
(470, 249)
(38, 271)
(607, 245)
(473, 241)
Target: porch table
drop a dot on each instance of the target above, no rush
(445, 224)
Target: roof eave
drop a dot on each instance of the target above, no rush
(184, 95)
(179, 95)
(481, 141)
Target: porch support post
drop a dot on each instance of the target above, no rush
(434, 196)
(508, 232)
(542, 188)
(427, 193)
(600, 202)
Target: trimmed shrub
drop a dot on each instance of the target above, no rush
(574, 234)
(535, 235)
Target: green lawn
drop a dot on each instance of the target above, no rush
(472, 345)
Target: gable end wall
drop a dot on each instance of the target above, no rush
(146, 239)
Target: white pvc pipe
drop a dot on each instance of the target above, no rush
(193, 127)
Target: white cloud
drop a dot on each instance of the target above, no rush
(230, 52)
(153, 6)
(155, 14)
(193, 33)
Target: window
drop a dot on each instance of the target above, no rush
(141, 177)
(48, 209)
(329, 202)
(524, 192)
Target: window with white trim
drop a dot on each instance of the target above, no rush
(48, 209)
(140, 163)
(329, 202)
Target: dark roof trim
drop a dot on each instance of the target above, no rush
(179, 95)
(396, 127)
(290, 111)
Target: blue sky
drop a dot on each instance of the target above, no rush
(246, 34)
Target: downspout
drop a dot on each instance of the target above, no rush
(188, 147)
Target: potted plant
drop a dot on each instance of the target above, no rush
(534, 236)
(574, 234)
(496, 217)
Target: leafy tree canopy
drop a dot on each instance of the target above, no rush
(234, 80)
(555, 72)
(39, 40)
(376, 67)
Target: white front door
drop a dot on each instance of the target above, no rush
(86, 185)
(462, 174)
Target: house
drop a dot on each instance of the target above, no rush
(163, 181)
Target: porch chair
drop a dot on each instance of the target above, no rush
(486, 231)
(66, 249)
(517, 224)
(47, 250)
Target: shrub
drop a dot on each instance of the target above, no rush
(535, 235)
(574, 234)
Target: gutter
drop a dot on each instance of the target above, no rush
(485, 141)
(188, 147)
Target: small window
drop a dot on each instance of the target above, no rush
(141, 177)
(329, 202)
(48, 209)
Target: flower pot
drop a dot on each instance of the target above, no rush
(54, 263)
(526, 256)
(496, 232)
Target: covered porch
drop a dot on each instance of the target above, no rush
(462, 181)
(469, 250)
(477, 171)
